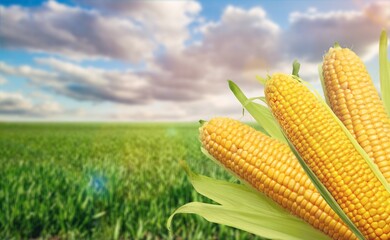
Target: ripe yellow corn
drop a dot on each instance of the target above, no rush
(355, 101)
(326, 148)
(270, 167)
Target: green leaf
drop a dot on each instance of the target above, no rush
(244, 208)
(384, 71)
(321, 74)
(201, 121)
(268, 226)
(260, 113)
(99, 215)
(226, 193)
(296, 66)
(117, 229)
(261, 80)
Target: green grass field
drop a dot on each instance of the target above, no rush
(101, 181)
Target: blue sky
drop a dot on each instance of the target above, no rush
(100, 60)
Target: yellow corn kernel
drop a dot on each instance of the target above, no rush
(356, 102)
(272, 169)
(326, 148)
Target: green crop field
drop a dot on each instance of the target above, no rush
(101, 181)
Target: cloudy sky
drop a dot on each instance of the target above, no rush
(101, 60)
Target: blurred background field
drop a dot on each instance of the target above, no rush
(102, 181)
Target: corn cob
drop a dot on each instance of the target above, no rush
(327, 150)
(355, 101)
(270, 167)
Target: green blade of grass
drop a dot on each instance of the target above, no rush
(117, 229)
(99, 215)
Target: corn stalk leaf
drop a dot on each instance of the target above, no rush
(384, 72)
(246, 209)
(262, 225)
(261, 80)
(296, 66)
(227, 192)
(321, 74)
(260, 113)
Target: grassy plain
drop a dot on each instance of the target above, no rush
(102, 181)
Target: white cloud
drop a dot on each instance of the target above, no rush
(83, 83)
(242, 39)
(165, 21)
(311, 33)
(74, 32)
(135, 34)
(240, 45)
(162, 102)
(12, 103)
(100, 85)
(223, 104)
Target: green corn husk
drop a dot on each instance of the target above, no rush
(260, 113)
(244, 208)
(384, 71)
